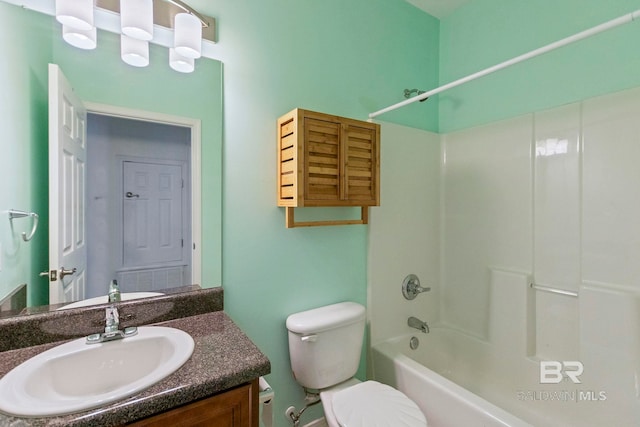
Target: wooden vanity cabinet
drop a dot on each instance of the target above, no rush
(327, 161)
(237, 407)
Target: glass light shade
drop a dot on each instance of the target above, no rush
(134, 52)
(181, 63)
(80, 38)
(188, 35)
(75, 13)
(136, 18)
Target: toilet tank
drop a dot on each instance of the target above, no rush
(325, 344)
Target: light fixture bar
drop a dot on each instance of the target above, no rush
(187, 8)
(163, 13)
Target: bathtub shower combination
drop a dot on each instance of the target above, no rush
(459, 380)
(528, 230)
(534, 312)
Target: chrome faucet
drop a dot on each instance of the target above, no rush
(414, 322)
(112, 329)
(114, 291)
(112, 318)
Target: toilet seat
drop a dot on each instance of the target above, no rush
(374, 404)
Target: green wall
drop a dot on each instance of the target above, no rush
(345, 58)
(24, 139)
(487, 32)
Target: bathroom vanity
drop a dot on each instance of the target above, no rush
(236, 407)
(218, 385)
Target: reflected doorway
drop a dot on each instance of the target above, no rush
(138, 204)
(86, 207)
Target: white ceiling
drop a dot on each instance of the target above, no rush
(438, 8)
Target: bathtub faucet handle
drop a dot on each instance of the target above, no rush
(411, 287)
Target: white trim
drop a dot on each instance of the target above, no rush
(196, 178)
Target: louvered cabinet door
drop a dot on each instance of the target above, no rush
(326, 160)
(322, 160)
(361, 173)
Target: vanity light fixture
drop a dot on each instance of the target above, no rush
(137, 19)
(188, 35)
(75, 13)
(133, 51)
(80, 38)
(181, 63)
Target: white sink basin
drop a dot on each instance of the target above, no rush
(76, 376)
(103, 299)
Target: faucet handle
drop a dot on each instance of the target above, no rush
(411, 287)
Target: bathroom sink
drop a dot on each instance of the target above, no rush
(103, 299)
(76, 376)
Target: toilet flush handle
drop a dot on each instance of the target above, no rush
(309, 338)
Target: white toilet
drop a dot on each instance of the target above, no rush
(324, 347)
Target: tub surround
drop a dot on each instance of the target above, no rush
(546, 199)
(223, 357)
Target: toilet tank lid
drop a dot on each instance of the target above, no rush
(325, 318)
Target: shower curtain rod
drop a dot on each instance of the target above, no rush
(625, 19)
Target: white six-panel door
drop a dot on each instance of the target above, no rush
(153, 213)
(67, 176)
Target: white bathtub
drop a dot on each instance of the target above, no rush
(458, 381)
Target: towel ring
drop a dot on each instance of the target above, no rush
(22, 214)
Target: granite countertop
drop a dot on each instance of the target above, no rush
(223, 357)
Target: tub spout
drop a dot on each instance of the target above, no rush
(414, 322)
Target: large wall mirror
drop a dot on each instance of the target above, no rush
(144, 126)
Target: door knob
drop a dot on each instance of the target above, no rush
(130, 195)
(54, 274)
(66, 272)
(51, 274)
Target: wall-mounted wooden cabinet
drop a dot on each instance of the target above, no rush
(326, 160)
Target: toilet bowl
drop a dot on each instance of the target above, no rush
(325, 344)
(369, 403)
